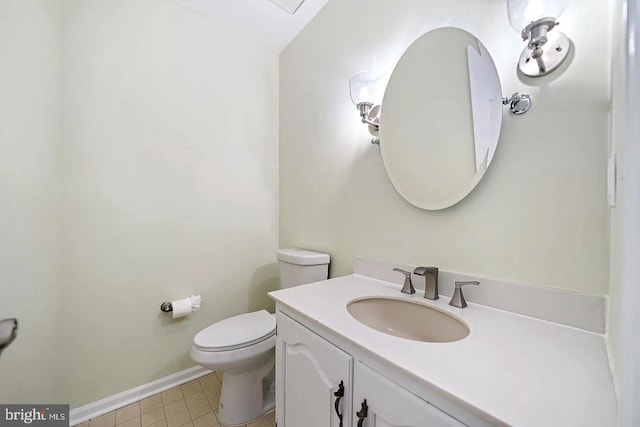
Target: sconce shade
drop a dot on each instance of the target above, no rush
(363, 87)
(523, 12)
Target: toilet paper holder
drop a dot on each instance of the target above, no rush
(182, 307)
(166, 307)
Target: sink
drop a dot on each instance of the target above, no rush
(407, 319)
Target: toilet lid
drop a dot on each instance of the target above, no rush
(236, 332)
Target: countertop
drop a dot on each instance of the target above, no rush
(519, 370)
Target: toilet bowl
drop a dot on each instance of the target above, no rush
(243, 347)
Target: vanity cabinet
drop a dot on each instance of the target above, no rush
(379, 402)
(314, 387)
(313, 378)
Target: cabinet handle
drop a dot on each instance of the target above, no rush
(362, 414)
(339, 395)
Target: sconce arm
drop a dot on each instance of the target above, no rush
(371, 122)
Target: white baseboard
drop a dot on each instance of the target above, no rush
(111, 403)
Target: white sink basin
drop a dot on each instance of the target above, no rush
(407, 319)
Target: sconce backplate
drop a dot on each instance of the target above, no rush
(555, 51)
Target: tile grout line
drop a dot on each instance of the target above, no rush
(110, 419)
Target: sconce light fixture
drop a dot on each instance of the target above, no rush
(534, 19)
(363, 87)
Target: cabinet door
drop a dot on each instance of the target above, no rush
(309, 373)
(389, 405)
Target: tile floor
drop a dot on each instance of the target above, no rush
(194, 404)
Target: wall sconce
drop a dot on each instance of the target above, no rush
(535, 19)
(363, 87)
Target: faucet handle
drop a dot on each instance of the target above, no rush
(459, 285)
(407, 288)
(457, 300)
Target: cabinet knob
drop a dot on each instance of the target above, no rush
(362, 413)
(339, 395)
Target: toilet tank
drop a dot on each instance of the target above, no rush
(299, 266)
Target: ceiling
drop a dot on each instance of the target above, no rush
(271, 23)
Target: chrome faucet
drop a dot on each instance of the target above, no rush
(407, 288)
(457, 300)
(430, 275)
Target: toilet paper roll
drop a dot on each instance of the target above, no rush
(195, 302)
(182, 307)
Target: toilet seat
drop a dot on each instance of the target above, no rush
(236, 332)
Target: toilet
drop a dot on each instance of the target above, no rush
(242, 347)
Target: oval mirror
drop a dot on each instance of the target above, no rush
(440, 119)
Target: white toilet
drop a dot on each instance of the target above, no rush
(243, 347)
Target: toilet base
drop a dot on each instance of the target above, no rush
(247, 396)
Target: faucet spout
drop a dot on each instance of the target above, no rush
(430, 275)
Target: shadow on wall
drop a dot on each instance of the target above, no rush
(173, 364)
(180, 330)
(265, 279)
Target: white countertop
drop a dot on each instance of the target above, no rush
(520, 370)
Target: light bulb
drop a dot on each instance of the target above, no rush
(363, 86)
(534, 10)
(523, 12)
(365, 94)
